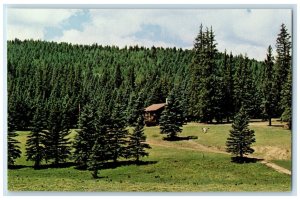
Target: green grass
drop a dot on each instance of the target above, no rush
(170, 169)
(287, 164)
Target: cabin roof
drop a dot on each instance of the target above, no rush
(155, 107)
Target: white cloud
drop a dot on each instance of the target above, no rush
(31, 23)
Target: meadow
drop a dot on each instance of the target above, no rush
(195, 165)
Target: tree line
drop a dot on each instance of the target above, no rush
(54, 87)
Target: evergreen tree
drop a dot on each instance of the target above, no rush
(102, 149)
(117, 133)
(241, 137)
(136, 146)
(204, 97)
(286, 100)
(13, 150)
(35, 144)
(86, 136)
(99, 152)
(228, 104)
(194, 84)
(57, 144)
(283, 62)
(268, 87)
(171, 120)
(209, 79)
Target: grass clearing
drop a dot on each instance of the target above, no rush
(170, 168)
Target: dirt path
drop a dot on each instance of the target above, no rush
(193, 146)
(276, 167)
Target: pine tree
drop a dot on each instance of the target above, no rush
(241, 137)
(171, 120)
(286, 100)
(12, 144)
(283, 62)
(99, 152)
(117, 133)
(35, 144)
(102, 149)
(136, 146)
(268, 87)
(204, 97)
(194, 84)
(228, 105)
(85, 138)
(57, 144)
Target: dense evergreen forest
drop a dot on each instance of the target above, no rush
(53, 87)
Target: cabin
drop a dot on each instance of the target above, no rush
(153, 113)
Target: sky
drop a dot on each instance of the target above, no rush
(240, 31)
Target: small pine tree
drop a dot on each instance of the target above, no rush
(35, 145)
(241, 137)
(171, 120)
(136, 147)
(12, 147)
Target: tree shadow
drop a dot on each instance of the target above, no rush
(99, 177)
(44, 166)
(242, 160)
(181, 138)
(60, 165)
(17, 166)
(108, 165)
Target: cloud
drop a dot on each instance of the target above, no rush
(242, 31)
(31, 23)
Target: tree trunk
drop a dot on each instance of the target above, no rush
(241, 154)
(270, 121)
(95, 173)
(37, 164)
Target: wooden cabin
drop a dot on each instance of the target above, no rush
(153, 113)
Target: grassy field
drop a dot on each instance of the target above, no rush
(181, 166)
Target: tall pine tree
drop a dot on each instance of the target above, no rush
(282, 64)
(269, 87)
(204, 96)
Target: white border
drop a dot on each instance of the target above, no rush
(128, 3)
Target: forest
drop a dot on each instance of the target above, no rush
(100, 90)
